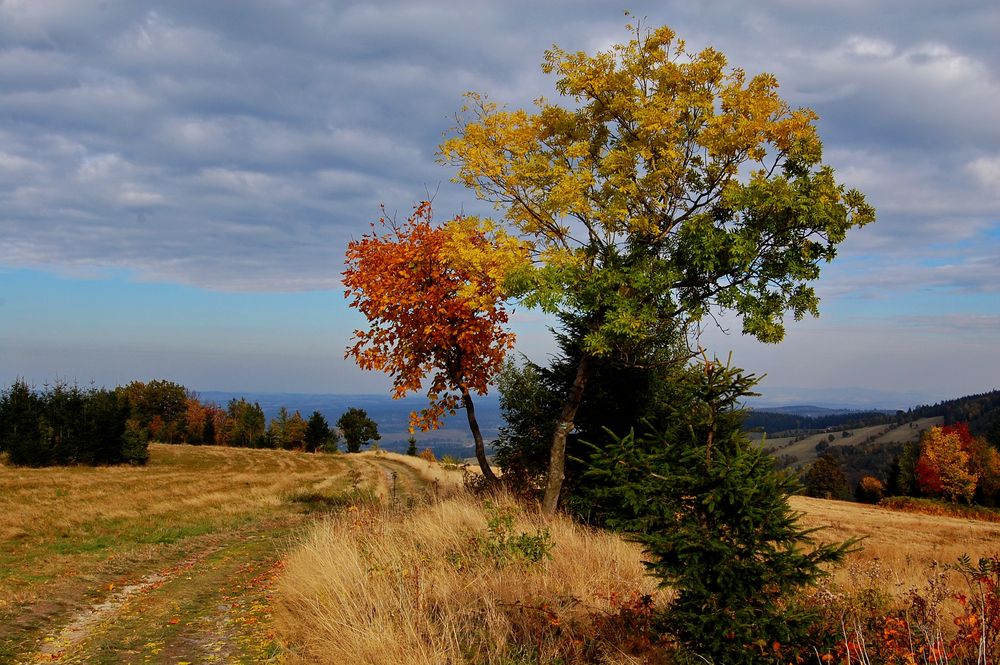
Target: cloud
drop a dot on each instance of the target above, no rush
(240, 145)
(986, 170)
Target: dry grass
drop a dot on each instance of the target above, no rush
(906, 546)
(386, 588)
(371, 587)
(60, 519)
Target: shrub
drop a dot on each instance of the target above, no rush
(502, 545)
(869, 490)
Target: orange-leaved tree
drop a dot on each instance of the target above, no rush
(943, 467)
(434, 299)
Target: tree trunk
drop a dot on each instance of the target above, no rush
(470, 411)
(557, 455)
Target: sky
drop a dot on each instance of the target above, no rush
(179, 180)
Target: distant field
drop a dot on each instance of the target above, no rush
(804, 451)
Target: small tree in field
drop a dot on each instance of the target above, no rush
(317, 432)
(668, 186)
(712, 514)
(357, 428)
(826, 480)
(433, 297)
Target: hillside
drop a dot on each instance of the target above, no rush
(861, 451)
(184, 559)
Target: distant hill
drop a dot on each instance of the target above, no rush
(810, 411)
(981, 411)
(797, 419)
(865, 443)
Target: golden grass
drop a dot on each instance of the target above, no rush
(904, 546)
(60, 519)
(374, 587)
(381, 587)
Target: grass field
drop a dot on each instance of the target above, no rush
(172, 561)
(190, 558)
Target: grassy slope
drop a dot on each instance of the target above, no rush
(805, 450)
(125, 564)
(178, 561)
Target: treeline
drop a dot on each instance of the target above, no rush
(773, 423)
(69, 425)
(981, 412)
(65, 424)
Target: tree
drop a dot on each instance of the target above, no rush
(411, 446)
(902, 471)
(642, 393)
(195, 417)
(244, 423)
(433, 297)
(208, 429)
(317, 432)
(712, 515)
(357, 428)
(668, 187)
(943, 467)
(160, 406)
(826, 480)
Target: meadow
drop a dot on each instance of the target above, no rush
(213, 554)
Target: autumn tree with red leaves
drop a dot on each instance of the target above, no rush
(434, 299)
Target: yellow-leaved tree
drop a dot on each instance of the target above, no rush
(669, 184)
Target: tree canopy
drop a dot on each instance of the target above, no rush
(668, 186)
(357, 428)
(434, 299)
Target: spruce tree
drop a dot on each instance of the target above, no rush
(711, 512)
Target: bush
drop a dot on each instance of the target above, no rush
(869, 490)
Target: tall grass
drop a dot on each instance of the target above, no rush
(437, 585)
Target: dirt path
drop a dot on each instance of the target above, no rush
(206, 602)
(210, 606)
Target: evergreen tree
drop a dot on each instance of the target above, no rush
(711, 513)
(208, 433)
(317, 432)
(411, 447)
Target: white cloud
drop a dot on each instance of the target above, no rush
(986, 170)
(869, 47)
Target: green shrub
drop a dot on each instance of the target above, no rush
(502, 545)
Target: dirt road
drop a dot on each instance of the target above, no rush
(203, 599)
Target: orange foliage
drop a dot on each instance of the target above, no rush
(943, 467)
(433, 296)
